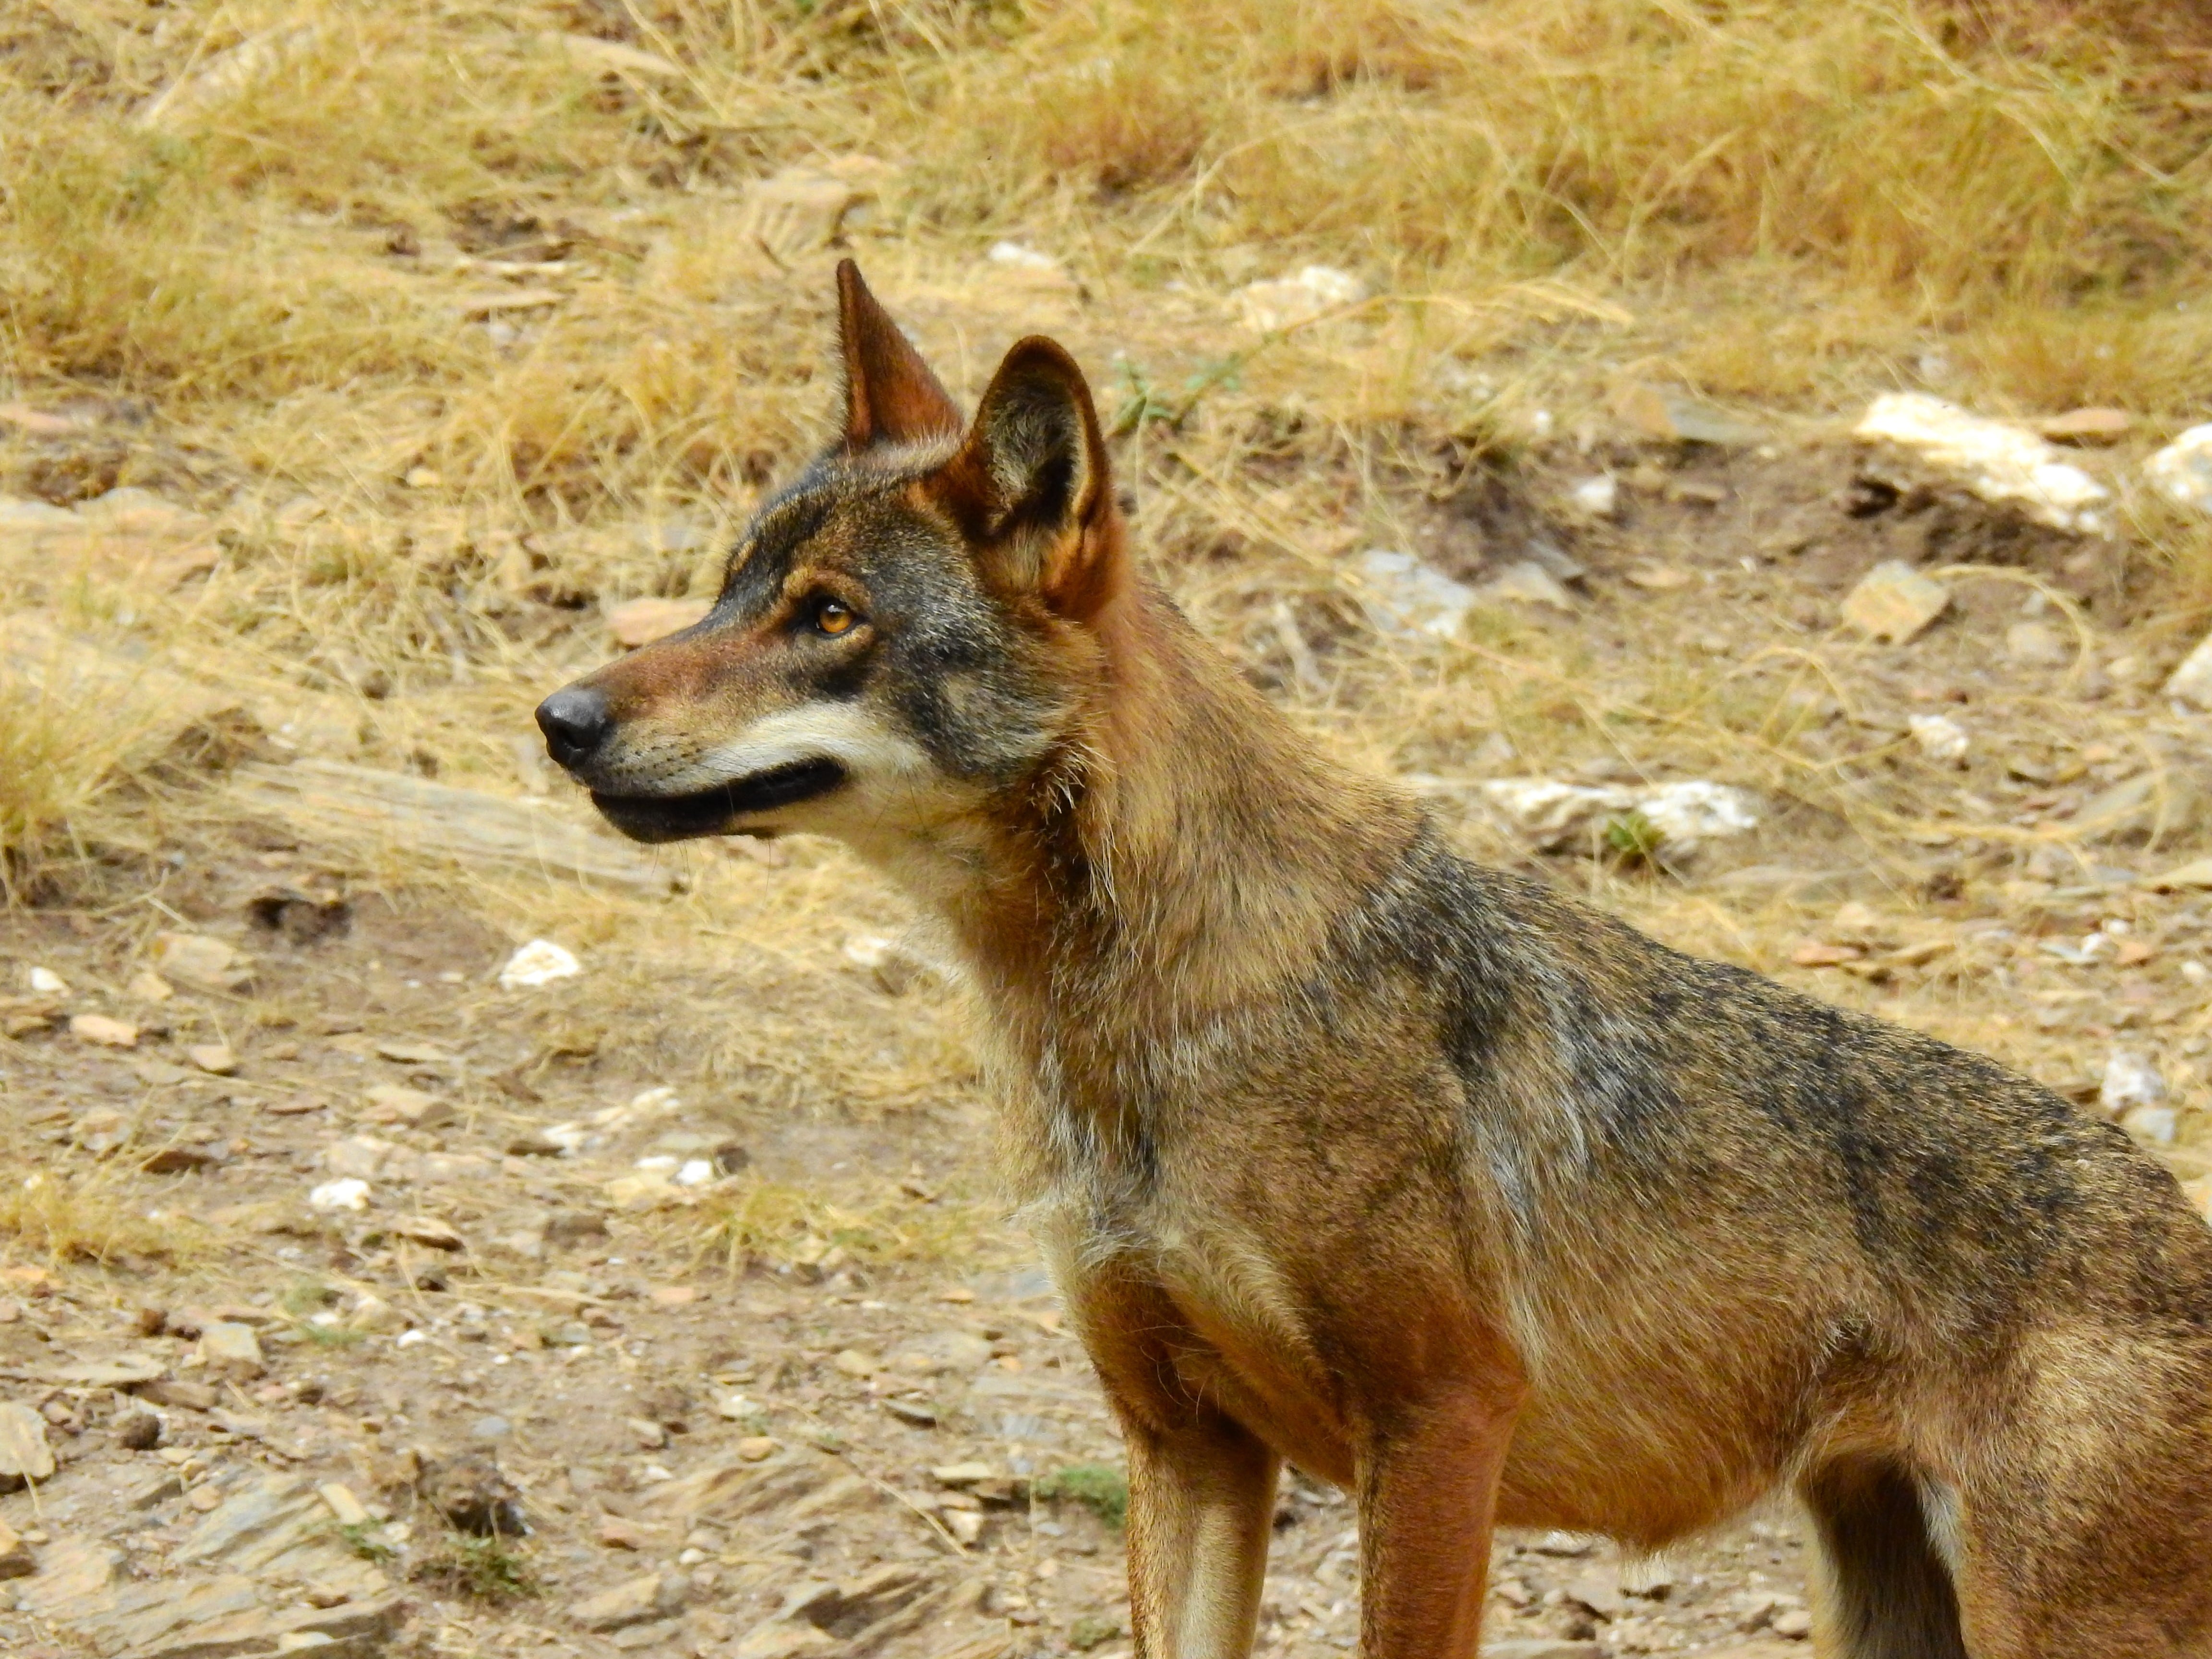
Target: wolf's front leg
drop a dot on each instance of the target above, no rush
(1201, 1496)
(1428, 1492)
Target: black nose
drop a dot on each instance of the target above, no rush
(576, 722)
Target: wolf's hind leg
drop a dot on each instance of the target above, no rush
(1886, 1590)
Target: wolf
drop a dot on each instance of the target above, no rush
(1350, 1153)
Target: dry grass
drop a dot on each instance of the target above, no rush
(100, 1217)
(268, 304)
(795, 1225)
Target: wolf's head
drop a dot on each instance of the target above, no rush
(903, 633)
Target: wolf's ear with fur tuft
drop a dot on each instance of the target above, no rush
(891, 396)
(1031, 483)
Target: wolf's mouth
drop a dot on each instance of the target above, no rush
(711, 811)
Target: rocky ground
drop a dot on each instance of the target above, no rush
(364, 1295)
(496, 1396)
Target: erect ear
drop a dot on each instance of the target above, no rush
(891, 396)
(1031, 486)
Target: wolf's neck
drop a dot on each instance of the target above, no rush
(1200, 853)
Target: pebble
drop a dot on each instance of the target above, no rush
(100, 1029)
(348, 1193)
(634, 1602)
(393, 1103)
(1598, 496)
(2181, 471)
(215, 1058)
(232, 1351)
(25, 1454)
(757, 1448)
(2191, 683)
(200, 959)
(540, 962)
(1939, 736)
(1895, 603)
(47, 982)
(1269, 307)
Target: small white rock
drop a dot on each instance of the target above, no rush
(1599, 497)
(2191, 683)
(1403, 596)
(2181, 471)
(349, 1194)
(1270, 308)
(1556, 814)
(47, 983)
(2004, 465)
(410, 1337)
(1693, 810)
(1020, 257)
(695, 1172)
(1940, 737)
(2130, 1080)
(538, 963)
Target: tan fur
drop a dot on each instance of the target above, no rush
(1347, 1153)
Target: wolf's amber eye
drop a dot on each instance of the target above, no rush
(833, 619)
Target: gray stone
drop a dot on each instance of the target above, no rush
(279, 1527)
(1541, 1647)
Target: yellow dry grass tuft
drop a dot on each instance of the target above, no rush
(98, 1217)
(793, 1225)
